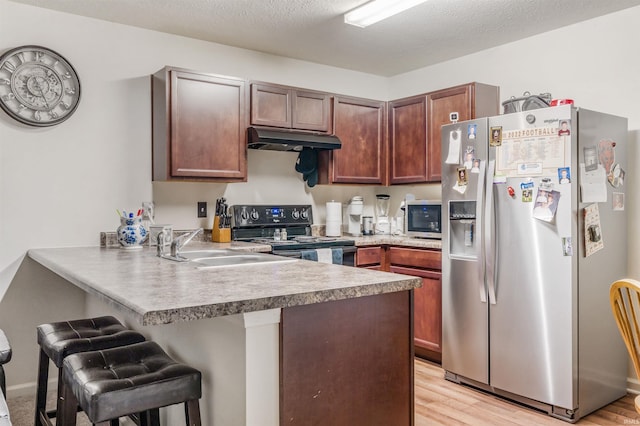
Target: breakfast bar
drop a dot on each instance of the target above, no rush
(282, 342)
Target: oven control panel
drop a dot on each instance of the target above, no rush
(252, 215)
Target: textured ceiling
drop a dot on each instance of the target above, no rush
(313, 30)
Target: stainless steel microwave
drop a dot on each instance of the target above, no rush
(423, 219)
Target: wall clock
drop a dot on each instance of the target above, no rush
(38, 86)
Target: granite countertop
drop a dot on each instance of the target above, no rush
(396, 240)
(161, 291)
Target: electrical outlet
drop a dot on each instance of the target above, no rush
(202, 209)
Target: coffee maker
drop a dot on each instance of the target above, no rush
(383, 224)
(354, 213)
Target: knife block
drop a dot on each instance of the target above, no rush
(220, 235)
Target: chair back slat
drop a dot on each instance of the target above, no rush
(624, 296)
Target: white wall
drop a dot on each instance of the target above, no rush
(594, 63)
(61, 186)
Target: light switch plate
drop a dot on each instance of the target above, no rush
(202, 209)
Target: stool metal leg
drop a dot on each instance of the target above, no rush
(192, 412)
(41, 397)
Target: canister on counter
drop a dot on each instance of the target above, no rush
(367, 225)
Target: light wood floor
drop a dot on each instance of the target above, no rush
(440, 402)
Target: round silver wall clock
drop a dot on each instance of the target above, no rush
(38, 86)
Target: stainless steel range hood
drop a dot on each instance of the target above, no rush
(281, 140)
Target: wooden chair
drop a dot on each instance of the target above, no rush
(624, 296)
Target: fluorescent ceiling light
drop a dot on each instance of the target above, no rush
(377, 10)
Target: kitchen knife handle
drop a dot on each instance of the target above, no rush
(490, 253)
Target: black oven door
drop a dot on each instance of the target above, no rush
(348, 254)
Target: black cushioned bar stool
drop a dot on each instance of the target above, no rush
(118, 382)
(60, 339)
(5, 357)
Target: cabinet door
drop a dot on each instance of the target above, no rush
(361, 126)
(441, 104)
(311, 111)
(408, 140)
(369, 257)
(270, 105)
(427, 322)
(207, 126)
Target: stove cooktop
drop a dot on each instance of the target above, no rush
(305, 242)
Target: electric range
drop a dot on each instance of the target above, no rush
(260, 222)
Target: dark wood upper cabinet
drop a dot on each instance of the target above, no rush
(415, 122)
(407, 140)
(360, 124)
(469, 101)
(199, 126)
(290, 108)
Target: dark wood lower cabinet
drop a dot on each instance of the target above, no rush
(418, 262)
(348, 362)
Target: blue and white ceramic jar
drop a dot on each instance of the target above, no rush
(131, 232)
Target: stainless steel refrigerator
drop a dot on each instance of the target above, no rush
(534, 233)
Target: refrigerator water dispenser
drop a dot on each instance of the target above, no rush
(462, 224)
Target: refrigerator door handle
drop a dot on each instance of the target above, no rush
(490, 255)
(481, 249)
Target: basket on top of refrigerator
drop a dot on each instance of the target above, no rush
(526, 102)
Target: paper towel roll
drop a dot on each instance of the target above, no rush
(334, 219)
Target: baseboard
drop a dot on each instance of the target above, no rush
(633, 385)
(28, 389)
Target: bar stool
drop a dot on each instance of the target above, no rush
(5, 357)
(60, 339)
(118, 382)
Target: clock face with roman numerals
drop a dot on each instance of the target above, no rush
(38, 86)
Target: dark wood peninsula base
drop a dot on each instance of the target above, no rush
(348, 362)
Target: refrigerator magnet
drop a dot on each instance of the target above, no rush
(616, 176)
(469, 156)
(462, 176)
(496, 136)
(546, 205)
(564, 129)
(607, 154)
(564, 175)
(567, 246)
(475, 167)
(590, 158)
(472, 131)
(527, 191)
(618, 201)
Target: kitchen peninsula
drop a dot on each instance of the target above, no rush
(294, 342)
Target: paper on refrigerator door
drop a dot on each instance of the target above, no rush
(453, 156)
(593, 185)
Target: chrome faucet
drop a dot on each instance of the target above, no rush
(182, 241)
(176, 245)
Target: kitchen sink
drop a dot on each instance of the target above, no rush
(220, 258)
(198, 254)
